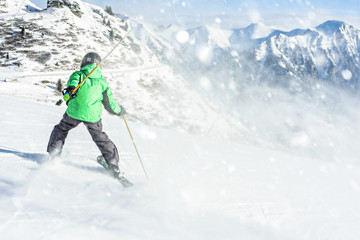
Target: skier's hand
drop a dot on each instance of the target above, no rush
(68, 89)
(122, 112)
(68, 93)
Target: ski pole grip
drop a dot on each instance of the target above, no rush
(66, 97)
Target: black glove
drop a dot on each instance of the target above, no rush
(68, 93)
(122, 112)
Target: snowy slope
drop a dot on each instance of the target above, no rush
(292, 173)
(56, 38)
(205, 189)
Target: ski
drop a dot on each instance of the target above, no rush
(120, 177)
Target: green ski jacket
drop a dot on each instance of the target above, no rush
(93, 93)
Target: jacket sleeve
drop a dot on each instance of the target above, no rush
(74, 79)
(109, 102)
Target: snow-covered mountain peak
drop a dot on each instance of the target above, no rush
(59, 36)
(245, 38)
(332, 26)
(258, 30)
(211, 35)
(321, 53)
(75, 6)
(17, 6)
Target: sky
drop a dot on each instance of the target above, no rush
(284, 14)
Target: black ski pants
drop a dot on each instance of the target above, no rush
(60, 132)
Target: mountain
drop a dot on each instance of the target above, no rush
(261, 54)
(58, 37)
(330, 53)
(245, 38)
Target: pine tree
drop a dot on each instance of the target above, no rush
(109, 10)
(23, 31)
(111, 35)
(59, 86)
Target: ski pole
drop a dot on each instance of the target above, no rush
(75, 89)
(67, 96)
(127, 126)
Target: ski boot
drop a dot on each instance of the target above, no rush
(115, 171)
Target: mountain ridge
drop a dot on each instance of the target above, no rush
(321, 53)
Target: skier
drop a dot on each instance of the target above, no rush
(85, 106)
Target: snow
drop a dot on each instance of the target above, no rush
(347, 74)
(11, 7)
(259, 30)
(281, 165)
(205, 189)
(182, 36)
(204, 54)
(260, 52)
(205, 84)
(219, 36)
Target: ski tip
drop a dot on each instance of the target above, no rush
(126, 183)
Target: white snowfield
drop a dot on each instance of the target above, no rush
(278, 165)
(199, 188)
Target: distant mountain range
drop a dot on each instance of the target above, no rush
(329, 52)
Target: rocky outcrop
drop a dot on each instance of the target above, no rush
(72, 5)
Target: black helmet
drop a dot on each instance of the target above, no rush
(90, 58)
